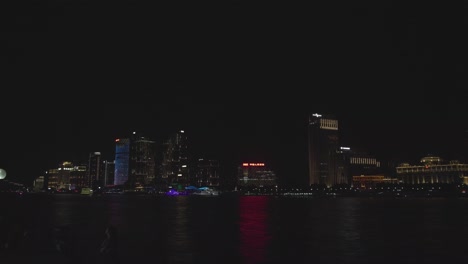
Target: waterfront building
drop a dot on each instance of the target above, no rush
(66, 177)
(433, 170)
(255, 175)
(94, 170)
(323, 146)
(175, 161)
(355, 163)
(108, 171)
(79, 177)
(371, 181)
(142, 161)
(122, 161)
(206, 173)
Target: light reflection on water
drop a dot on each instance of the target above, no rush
(255, 229)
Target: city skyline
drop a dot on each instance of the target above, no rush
(257, 134)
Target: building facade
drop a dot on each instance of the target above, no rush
(206, 173)
(142, 161)
(323, 144)
(122, 161)
(107, 172)
(255, 175)
(175, 161)
(433, 170)
(94, 170)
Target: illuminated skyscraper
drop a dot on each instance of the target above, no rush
(94, 170)
(122, 160)
(175, 162)
(142, 161)
(323, 141)
(108, 170)
(206, 173)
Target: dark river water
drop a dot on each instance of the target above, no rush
(243, 229)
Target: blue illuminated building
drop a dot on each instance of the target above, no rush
(122, 160)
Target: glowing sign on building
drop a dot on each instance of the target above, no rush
(253, 164)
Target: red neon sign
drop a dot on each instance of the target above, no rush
(253, 164)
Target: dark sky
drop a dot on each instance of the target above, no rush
(239, 76)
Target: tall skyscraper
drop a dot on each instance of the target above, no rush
(122, 160)
(175, 162)
(142, 161)
(206, 173)
(323, 142)
(108, 170)
(94, 170)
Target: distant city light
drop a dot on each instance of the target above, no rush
(184, 166)
(181, 131)
(345, 148)
(179, 175)
(117, 139)
(317, 115)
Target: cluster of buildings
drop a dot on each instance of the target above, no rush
(331, 164)
(140, 164)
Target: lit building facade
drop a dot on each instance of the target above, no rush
(352, 163)
(323, 146)
(206, 173)
(175, 161)
(142, 161)
(122, 161)
(79, 177)
(433, 170)
(94, 170)
(255, 175)
(108, 171)
(67, 177)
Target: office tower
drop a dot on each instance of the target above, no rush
(206, 173)
(107, 172)
(142, 161)
(122, 161)
(94, 170)
(255, 175)
(175, 161)
(323, 143)
(352, 163)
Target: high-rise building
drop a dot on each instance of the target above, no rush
(94, 170)
(323, 143)
(107, 172)
(175, 161)
(206, 173)
(122, 161)
(142, 161)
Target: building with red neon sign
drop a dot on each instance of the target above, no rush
(255, 175)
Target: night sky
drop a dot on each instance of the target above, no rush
(240, 77)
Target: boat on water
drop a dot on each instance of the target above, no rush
(206, 191)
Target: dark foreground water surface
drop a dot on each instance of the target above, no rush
(242, 229)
